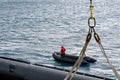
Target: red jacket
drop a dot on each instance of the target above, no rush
(63, 50)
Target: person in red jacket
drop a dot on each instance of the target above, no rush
(62, 51)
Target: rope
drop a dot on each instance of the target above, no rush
(97, 38)
(113, 68)
(82, 53)
(79, 60)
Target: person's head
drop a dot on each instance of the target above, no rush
(62, 47)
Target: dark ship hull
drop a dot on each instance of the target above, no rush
(11, 69)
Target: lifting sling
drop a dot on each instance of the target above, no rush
(74, 69)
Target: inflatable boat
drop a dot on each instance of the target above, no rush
(71, 59)
(12, 69)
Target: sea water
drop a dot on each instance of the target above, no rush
(32, 30)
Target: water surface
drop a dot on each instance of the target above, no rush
(32, 30)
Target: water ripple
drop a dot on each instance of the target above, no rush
(33, 30)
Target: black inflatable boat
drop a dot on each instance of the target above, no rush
(12, 69)
(72, 59)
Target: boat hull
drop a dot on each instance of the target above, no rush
(11, 69)
(71, 59)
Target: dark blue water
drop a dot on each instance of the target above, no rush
(32, 30)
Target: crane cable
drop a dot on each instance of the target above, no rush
(82, 53)
(108, 61)
(79, 60)
(74, 69)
